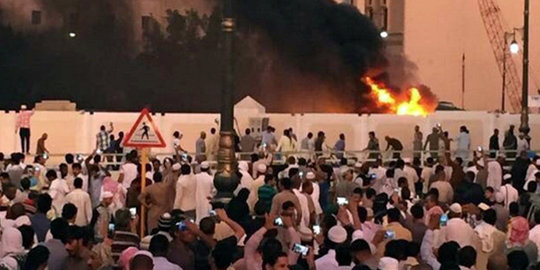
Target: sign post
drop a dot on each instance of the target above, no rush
(144, 135)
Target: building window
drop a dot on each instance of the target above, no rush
(36, 17)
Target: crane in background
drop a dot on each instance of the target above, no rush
(493, 22)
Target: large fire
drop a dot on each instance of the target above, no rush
(409, 102)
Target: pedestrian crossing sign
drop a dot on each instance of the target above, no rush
(144, 133)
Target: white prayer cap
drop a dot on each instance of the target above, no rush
(483, 206)
(507, 176)
(261, 168)
(107, 195)
(480, 163)
(456, 208)
(407, 160)
(205, 165)
(310, 176)
(176, 166)
(337, 234)
(23, 107)
(538, 162)
(358, 234)
(358, 164)
(388, 263)
(144, 253)
(499, 197)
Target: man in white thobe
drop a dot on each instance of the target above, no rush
(495, 172)
(457, 229)
(509, 192)
(255, 185)
(463, 142)
(81, 200)
(310, 176)
(186, 188)
(411, 175)
(205, 191)
(246, 179)
(522, 144)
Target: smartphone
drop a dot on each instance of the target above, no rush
(79, 157)
(45, 155)
(133, 211)
(443, 220)
(389, 234)
(300, 249)
(264, 145)
(181, 226)
(372, 175)
(479, 148)
(342, 201)
(316, 229)
(212, 213)
(184, 157)
(439, 125)
(278, 221)
(99, 152)
(111, 228)
(301, 174)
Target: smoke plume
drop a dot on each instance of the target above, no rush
(313, 53)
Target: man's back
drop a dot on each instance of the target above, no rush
(446, 193)
(457, 230)
(58, 254)
(186, 188)
(247, 143)
(281, 197)
(81, 200)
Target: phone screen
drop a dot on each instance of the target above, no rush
(111, 228)
(316, 229)
(278, 222)
(181, 225)
(443, 220)
(342, 201)
(300, 249)
(133, 211)
(390, 234)
(212, 212)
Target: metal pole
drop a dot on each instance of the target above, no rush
(504, 74)
(524, 127)
(226, 180)
(463, 81)
(144, 160)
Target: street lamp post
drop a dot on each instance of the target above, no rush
(514, 49)
(226, 179)
(524, 127)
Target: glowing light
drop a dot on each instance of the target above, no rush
(514, 47)
(72, 34)
(409, 102)
(384, 34)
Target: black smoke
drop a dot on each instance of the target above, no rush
(313, 53)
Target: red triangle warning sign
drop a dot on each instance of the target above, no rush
(144, 133)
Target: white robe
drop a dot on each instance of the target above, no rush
(81, 200)
(58, 191)
(495, 172)
(205, 189)
(186, 187)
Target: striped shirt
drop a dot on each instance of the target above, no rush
(23, 119)
(103, 140)
(121, 241)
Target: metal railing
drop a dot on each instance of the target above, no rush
(113, 160)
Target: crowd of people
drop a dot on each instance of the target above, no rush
(460, 211)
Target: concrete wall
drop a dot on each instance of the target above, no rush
(75, 131)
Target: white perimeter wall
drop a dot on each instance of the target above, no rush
(74, 132)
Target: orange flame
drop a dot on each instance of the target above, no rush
(410, 102)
